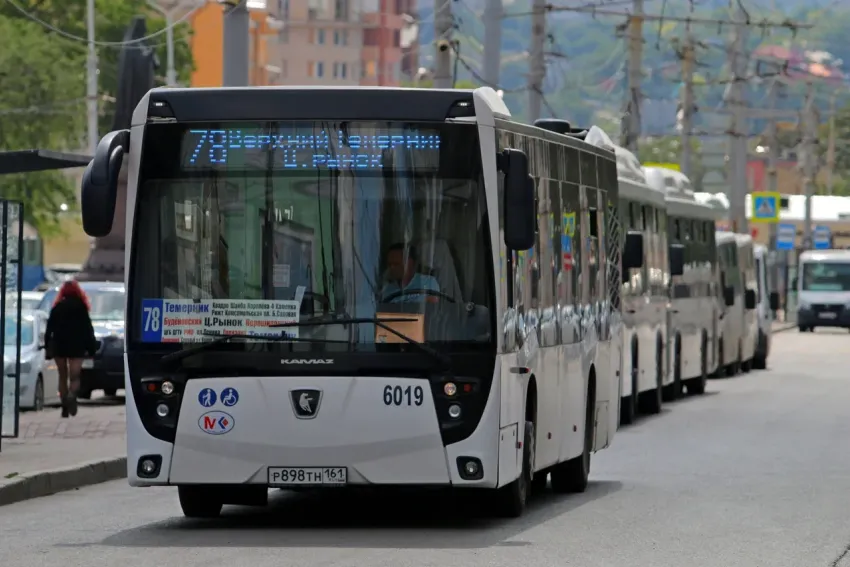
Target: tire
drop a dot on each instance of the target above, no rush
(110, 392)
(199, 502)
(38, 395)
(721, 370)
(572, 476)
(760, 356)
(747, 365)
(628, 406)
(673, 391)
(696, 386)
(650, 402)
(513, 498)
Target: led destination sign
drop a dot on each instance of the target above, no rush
(294, 148)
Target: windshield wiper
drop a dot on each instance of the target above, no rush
(219, 339)
(382, 323)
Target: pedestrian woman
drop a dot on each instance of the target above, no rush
(69, 338)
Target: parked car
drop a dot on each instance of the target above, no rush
(39, 377)
(106, 370)
(30, 300)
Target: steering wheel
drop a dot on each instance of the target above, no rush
(430, 292)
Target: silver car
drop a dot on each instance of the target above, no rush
(39, 377)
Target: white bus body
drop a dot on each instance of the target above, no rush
(737, 277)
(767, 300)
(694, 307)
(823, 289)
(249, 208)
(645, 295)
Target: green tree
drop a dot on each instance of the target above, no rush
(43, 79)
(40, 107)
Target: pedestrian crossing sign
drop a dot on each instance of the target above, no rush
(765, 206)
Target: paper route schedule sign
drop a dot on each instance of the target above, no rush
(187, 320)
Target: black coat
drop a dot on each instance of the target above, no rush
(69, 332)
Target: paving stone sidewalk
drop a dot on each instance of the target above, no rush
(53, 454)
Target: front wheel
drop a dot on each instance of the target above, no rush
(513, 497)
(199, 502)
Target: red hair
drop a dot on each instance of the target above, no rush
(72, 289)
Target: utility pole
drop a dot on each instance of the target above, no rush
(688, 104)
(91, 80)
(630, 125)
(236, 45)
(773, 152)
(443, 28)
(492, 42)
(537, 64)
(810, 164)
(170, 71)
(830, 149)
(738, 131)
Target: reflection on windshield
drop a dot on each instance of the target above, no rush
(827, 276)
(27, 334)
(239, 250)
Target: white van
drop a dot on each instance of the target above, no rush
(767, 301)
(823, 289)
(737, 281)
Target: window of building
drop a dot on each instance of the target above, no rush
(320, 36)
(310, 68)
(343, 70)
(345, 37)
(371, 68)
(283, 9)
(371, 36)
(341, 9)
(320, 69)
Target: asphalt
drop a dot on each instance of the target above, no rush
(754, 473)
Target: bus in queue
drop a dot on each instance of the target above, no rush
(767, 301)
(736, 275)
(694, 309)
(642, 208)
(331, 287)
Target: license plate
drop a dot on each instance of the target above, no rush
(308, 476)
(88, 363)
(828, 315)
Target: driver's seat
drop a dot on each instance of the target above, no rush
(436, 255)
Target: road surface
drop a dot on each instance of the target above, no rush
(755, 473)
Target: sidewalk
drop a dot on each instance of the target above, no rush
(53, 454)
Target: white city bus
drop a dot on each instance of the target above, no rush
(335, 287)
(694, 309)
(645, 295)
(735, 345)
(767, 301)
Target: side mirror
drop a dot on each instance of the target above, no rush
(520, 209)
(729, 296)
(774, 301)
(100, 183)
(633, 251)
(750, 299)
(677, 259)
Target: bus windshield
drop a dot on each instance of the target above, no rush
(826, 276)
(243, 227)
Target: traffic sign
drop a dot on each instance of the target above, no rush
(785, 236)
(765, 205)
(821, 238)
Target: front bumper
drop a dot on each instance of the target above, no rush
(821, 315)
(106, 369)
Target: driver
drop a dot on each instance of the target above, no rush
(402, 276)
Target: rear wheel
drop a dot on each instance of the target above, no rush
(628, 405)
(513, 497)
(651, 401)
(199, 502)
(760, 357)
(38, 395)
(673, 391)
(696, 386)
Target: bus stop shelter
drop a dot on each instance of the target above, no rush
(29, 161)
(22, 161)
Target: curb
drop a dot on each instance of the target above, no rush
(788, 327)
(45, 483)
